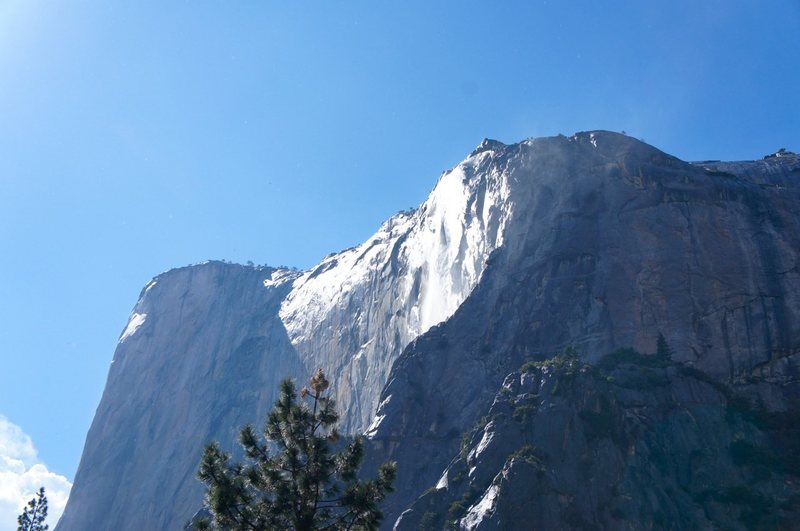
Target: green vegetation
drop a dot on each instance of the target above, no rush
(459, 507)
(631, 357)
(663, 350)
(567, 362)
(428, 521)
(529, 454)
(523, 413)
(34, 515)
(719, 173)
(459, 476)
(648, 375)
(773, 454)
(467, 437)
(303, 485)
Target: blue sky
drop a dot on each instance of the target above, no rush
(138, 138)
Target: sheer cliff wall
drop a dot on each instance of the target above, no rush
(597, 241)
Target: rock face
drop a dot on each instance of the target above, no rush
(356, 311)
(596, 241)
(202, 353)
(206, 346)
(622, 241)
(633, 442)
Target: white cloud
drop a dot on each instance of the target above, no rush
(21, 475)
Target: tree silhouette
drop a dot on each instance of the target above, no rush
(663, 349)
(291, 479)
(34, 515)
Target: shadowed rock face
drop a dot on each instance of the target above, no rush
(597, 241)
(620, 241)
(634, 443)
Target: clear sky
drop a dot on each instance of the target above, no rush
(137, 138)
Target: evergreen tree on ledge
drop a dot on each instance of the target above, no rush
(300, 486)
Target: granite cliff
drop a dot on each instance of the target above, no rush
(596, 241)
(633, 442)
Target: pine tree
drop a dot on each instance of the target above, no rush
(301, 485)
(34, 515)
(663, 350)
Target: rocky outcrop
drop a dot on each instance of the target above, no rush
(597, 241)
(635, 442)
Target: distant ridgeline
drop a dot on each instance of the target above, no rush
(501, 343)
